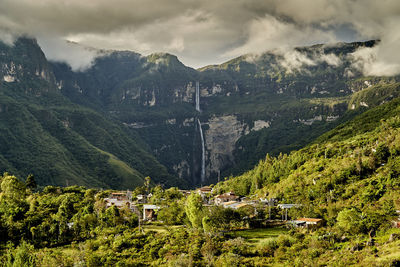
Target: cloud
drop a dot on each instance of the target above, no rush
(269, 33)
(203, 32)
(293, 60)
(78, 57)
(7, 37)
(376, 61)
(331, 59)
(384, 58)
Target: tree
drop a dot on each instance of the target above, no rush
(30, 182)
(22, 256)
(12, 198)
(157, 194)
(194, 210)
(350, 220)
(112, 216)
(172, 193)
(147, 181)
(172, 215)
(221, 218)
(359, 165)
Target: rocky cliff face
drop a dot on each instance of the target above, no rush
(221, 137)
(23, 63)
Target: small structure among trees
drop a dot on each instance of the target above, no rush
(307, 222)
(119, 199)
(226, 197)
(286, 207)
(204, 191)
(149, 212)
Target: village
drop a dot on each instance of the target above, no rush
(147, 211)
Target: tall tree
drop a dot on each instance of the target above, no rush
(194, 210)
(30, 182)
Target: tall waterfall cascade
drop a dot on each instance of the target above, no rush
(203, 154)
(197, 97)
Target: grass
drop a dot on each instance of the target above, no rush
(255, 236)
(160, 228)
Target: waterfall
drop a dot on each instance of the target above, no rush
(197, 97)
(203, 154)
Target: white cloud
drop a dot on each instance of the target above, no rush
(78, 57)
(384, 58)
(330, 59)
(375, 61)
(294, 60)
(268, 33)
(7, 37)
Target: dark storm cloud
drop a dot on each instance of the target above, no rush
(203, 31)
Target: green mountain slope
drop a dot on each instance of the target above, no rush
(355, 165)
(62, 143)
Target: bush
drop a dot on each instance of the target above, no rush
(284, 241)
(267, 248)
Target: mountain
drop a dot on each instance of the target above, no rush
(252, 105)
(62, 143)
(129, 116)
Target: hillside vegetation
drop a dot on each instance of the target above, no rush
(62, 143)
(339, 169)
(349, 178)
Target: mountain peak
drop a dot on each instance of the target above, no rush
(164, 59)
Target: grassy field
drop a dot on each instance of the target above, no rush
(255, 236)
(159, 228)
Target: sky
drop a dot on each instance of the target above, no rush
(203, 32)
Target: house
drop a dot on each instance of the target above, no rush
(296, 223)
(286, 207)
(121, 195)
(204, 191)
(230, 204)
(308, 222)
(119, 199)
(226, 197)
(241, 205)
(118, 203)
(270, 202)
(149, 212)
(141, 198)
